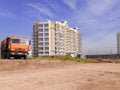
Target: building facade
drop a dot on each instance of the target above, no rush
(118, 43)
(55, 38)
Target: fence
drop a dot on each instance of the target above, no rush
(105, 56)
(110, 53)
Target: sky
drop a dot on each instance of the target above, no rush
(98, 20)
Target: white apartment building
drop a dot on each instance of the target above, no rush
(55, 38)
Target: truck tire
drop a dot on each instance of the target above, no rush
(2, 57)
(25, 57)
(8, 55)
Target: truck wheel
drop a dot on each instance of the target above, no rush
(8, 56)
(2, 56)
(25, 57)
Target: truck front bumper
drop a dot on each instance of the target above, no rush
(18, 53)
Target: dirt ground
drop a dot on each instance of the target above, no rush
(58, 75)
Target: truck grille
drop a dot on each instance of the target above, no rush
(19, 49)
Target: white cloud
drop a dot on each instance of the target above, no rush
(5, 13)
(52, 4)
(99, 23)
(41, 9)
(71, 3)
(100, 7)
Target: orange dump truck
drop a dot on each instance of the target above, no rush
(14, 46)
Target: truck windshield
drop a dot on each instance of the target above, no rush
(26, 42)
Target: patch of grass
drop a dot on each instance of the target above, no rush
(69, 58)
(82, 60)
(62, 58)
(66, 58)
(43, 58)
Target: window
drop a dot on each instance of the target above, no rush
(40, 30)
(40, 43)
(46, 48)
(46, 34)
(46, 30)
(35, 31)
(40, 48)
(35, 40)
(45, 25)
(26, 42)
(40, 25)
(55, 48)
(46, 43)
(41, 39)
(55, 38)
(41, 34)
(19, 41)
(15, 40)
(46, 39)
(35, 49)
(46, 52)
(35, 46)
(41, 52)
(55, 52)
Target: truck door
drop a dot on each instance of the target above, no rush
(7, 43)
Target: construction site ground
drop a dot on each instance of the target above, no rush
(58, 75)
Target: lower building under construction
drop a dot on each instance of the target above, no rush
(118, 43)
(55, 38)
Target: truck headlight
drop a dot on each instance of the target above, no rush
(12, 53)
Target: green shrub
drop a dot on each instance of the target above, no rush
(62, 58)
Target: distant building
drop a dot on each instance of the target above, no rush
(118, 42)
(55, 38)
